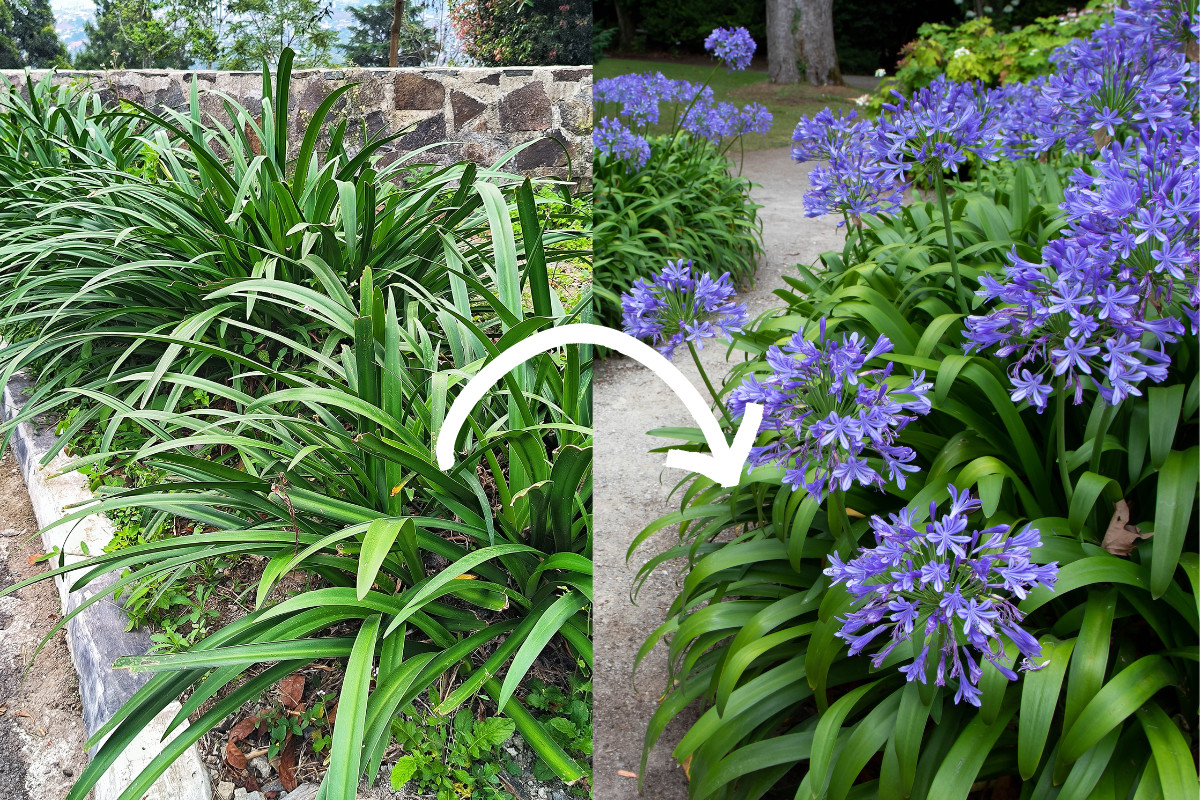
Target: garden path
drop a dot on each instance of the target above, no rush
(632, 490)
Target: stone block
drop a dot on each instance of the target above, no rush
(417, 93)
(465, 107)
(526, 109)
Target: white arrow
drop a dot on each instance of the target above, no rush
(724, 464)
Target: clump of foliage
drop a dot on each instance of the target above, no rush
(1026, 582)
(498, 33)
(285, 329)
(977, 51)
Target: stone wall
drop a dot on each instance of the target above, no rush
(470, 114)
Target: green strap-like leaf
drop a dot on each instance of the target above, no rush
(1116, 701)
(1039, 699)
(345, 753)
(1177, 485)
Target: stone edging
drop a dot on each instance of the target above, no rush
(97, 637)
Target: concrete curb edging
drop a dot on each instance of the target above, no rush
(97, 637)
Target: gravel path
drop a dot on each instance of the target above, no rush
(632, 490)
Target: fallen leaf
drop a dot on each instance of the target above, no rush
(287, 764)
(1121, 537)
(21, 714)
(292, 690)
(234, 757)
(624, 773)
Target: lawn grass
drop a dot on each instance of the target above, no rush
(786, 103)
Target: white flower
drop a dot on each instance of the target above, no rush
(962, 51)
(863, 100)
(880, 73)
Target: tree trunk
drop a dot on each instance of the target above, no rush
(781, 50)
(394, 41)
(819, 52)
(626, 32)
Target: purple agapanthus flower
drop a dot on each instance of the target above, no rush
(1115, 289)
(850, 180)
(830, 413)
(952, 588)
(734, 46)
(677, 306)
(938, 127)
(1130, 76)
(613, 139)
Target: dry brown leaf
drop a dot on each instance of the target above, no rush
(292, 690)
(287, 764)
(234, 757)
(687, 767)
(1121, 537)
(624, 773)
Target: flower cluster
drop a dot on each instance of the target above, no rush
(850, 182)
(613, 139)
(951, 588)
(734, 46)
(830, 412)
(677, 306)
(639, 98)
(1124, 78)
(1124, 274)
(939, 126)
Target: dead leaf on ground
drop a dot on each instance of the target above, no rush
(624, 773)
(292, 690)
(234, 757)
(287, 764)
(1121, 537)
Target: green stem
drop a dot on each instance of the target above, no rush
(713, 392)
(1098, 439)
(958, 285)
(839, 524)
(1060, 433)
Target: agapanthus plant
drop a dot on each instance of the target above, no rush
(1127, 77)
(948, 592)
(831, 412)
(938, 127)
(615, 140)
(850, 180)
(934, 132)
(1109, 295)
(678, 307)
(639, 98)
(734, 46)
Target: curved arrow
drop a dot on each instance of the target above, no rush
(724, 464)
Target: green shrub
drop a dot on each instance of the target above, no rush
(976, 51)
(685, 203)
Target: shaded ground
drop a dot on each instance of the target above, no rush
(41, 719)
(632, 490)
(787, 103)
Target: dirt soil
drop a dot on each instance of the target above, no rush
(41, 719)
(632, 489)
